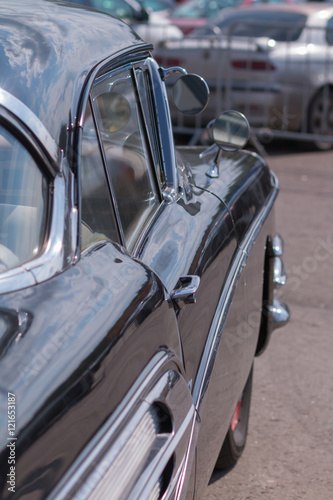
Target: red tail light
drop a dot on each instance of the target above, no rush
(255, 65)
(168, 61)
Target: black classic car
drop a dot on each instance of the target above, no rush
(137, 280)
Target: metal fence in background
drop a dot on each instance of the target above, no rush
(284, 88)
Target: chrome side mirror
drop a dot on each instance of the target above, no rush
(190, 94)
(230, 132)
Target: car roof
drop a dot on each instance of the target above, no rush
(48, 49)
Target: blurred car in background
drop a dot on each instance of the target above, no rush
(162, 7)
(148, 18)
(194, 13)
(274, 63)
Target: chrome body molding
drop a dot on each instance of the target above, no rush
(217, 325)
(170, 192)
(30, 120)
(112, 451)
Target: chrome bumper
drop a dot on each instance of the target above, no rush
(275, 313)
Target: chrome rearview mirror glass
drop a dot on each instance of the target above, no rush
(190, 94)
(231, 130)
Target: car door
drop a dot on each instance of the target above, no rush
(90, 348)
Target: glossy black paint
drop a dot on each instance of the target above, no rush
(68, 370)
(75, 347)
(46, 69)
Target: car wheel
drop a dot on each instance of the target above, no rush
(320, 117)
(235, 439)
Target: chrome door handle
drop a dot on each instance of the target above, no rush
(184, 291)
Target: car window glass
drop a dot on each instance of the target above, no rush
(281, 26)
(126, 151)
(329, 31)
(23, 203)
(98, 221)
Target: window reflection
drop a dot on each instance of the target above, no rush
(97, 216)
(23, 204)
(127, 155)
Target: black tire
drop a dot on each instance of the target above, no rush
(320, 117)
(235, 439)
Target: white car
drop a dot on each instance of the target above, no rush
(274, 63)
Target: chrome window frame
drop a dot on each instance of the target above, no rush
(58, 248)
(153, 144)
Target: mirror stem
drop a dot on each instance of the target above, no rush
(164, 73)
(213, 172)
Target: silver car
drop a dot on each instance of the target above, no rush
(274, 63)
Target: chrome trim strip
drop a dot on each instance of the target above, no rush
(51, 261)
(30, 120)
(165, 132)
(217, 326)
(158, 464)
(16, 279)
(105, 435)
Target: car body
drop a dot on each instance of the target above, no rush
(135, 290)
(152, 25)
(193, 14)
(272, 63)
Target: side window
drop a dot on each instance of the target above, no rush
(127, 153)
(98, 221)
(23, 204)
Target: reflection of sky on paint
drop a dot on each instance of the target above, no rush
(96, 300)
(43, 58)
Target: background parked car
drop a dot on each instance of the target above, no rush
(137, 281)
(192, 14)
(274, 63)
(148, 18)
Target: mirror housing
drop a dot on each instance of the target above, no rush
(190, 94)
(231, 130)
